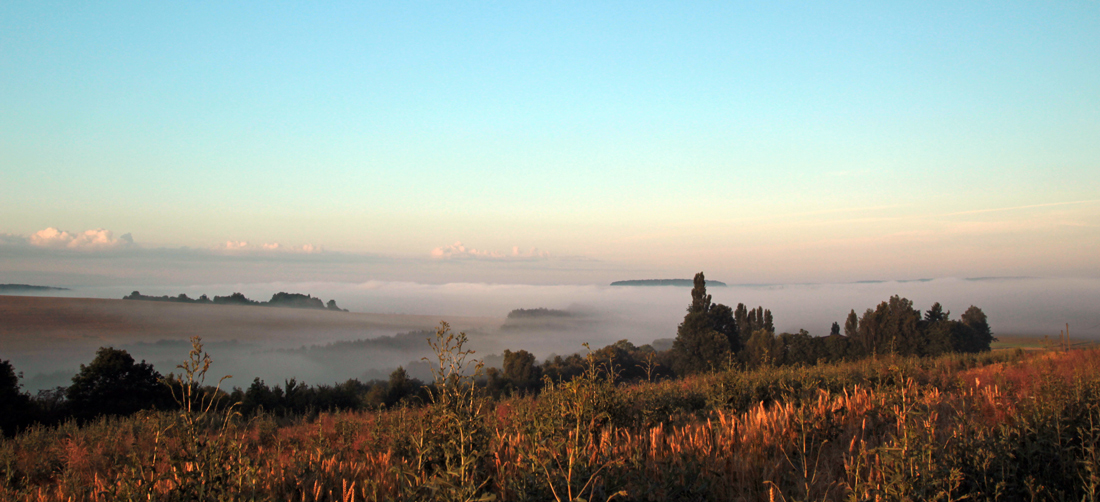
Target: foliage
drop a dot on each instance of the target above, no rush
(113, 384)
(989, 426)
(17, 406)
(280, 299)
(452, 443)
(708, 337)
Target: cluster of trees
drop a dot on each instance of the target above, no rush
(895, 327)
(621, 361)
(115, 384)
(294, 398)
(712, 336)
(538, 313)
(709, 339)
(112, 384)
(280, 299)
(20, 288)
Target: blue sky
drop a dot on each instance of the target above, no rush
(777, 142)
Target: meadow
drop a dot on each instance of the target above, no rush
(1001, 425)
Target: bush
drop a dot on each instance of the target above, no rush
(17, 406)
(113, 384)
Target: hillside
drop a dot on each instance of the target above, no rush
(665, 282)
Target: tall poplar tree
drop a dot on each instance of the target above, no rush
(708, 335)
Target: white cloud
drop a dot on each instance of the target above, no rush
(458, 251)
(88, 240)
(245, 246)
(234, 245)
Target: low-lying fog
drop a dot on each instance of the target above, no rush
(602, 315)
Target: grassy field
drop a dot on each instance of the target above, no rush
(1032, 342)
(1006, 425)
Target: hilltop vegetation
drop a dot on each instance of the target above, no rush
(538, 313)
(906, 406)
(713, 335)
(983, 427)
(28, 288)
(280, 299)
(665, 282)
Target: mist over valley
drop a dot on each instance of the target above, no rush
(50, 335)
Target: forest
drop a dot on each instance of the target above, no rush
(896, 405)
(280, 299)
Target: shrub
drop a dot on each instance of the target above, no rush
(113, 384)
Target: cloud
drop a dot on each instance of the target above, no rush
(274, 247)
(12, 240)
(458, 251)
(88, 240)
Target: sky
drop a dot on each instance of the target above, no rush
(553, 143)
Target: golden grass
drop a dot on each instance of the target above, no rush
(863, 441)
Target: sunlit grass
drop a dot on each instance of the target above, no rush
(1008, 425)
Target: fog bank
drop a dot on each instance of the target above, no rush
(276, 351)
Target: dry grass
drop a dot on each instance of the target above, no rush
(984, 428)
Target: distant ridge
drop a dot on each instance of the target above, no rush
(665, 282)
(281, 299)
(27, 287)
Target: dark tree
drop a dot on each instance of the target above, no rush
(261, 397)
(234, 299)
(400, 387)
(851, 325)
(835, 330)
(936, 313)
(976, 335)
(722, 321)
(891, 328)
(698, 345)
(762, 349)
(798, 348)
(939, 336)
(700, 300)
(741, 318)
(837, 347)
(113, 384)
(17, 405)
(295, 300)
(521, 371)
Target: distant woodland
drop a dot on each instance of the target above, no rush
(893, 404)
(896, 404)
(280, 299)
(538, 313)
(712, 338)
(16, 288)
(686, 283)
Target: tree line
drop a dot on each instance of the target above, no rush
(711, 337)
(714, 336)
(280, 299)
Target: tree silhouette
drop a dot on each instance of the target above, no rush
(17, 405)
(976, 336)
(699, 346)
(936, 313)
(113, 384)
(521, 370)
(851, 325)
